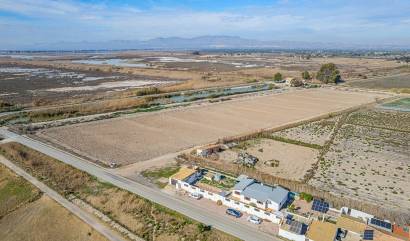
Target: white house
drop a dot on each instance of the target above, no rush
(262, 196)
(184, 180)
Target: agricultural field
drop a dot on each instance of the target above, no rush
(369, 159)
(316, 133)
(396, 82)
(26, 214)
(149, 135)
(276, 158)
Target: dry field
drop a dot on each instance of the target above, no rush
(370, 159)
(145, 136)
(277, 158)
(317, 132)
(44, 219)
(26, 214)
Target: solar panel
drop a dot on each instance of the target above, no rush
(295, 226)
(380, 223)
(368, 235)
(320, 206)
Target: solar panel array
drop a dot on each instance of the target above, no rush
(368, 235)
(320, 206)
(380, 223)
(295, 226)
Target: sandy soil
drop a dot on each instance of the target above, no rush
(293, 160)
(368, 163)
(45, 220)
(143, 137)
(278, 158)
(317, 132)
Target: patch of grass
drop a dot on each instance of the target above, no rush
(165, 172)
(14, 191)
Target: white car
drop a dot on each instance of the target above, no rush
(255, 220)
(195, 195)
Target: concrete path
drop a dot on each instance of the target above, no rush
(83, 215)
(221, 222)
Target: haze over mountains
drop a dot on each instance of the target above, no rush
(197, 43)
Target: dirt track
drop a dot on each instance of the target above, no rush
(130, 140)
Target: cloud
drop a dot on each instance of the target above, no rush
(318, 20)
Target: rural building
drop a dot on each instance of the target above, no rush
(260, 195)
(292, 230)
(186, 178)
(208, 150)
(321, 231)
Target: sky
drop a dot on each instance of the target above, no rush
(25, 22)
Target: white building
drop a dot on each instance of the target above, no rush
(183, 181)
(260, 195)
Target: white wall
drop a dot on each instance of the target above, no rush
(291, 236)
(229, 202)
(356, 213)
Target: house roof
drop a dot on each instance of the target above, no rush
(321, 231)
(243, 183)
(351, 224)
(264, 193)
(183, 173)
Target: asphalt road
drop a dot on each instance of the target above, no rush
(221, 222)
(83, 215)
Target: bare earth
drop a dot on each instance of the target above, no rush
(293, 160)
(143, 137)
(44, 219)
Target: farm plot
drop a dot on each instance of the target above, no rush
(277, 158)
(145, 136)
(369, 163)
(316, 133)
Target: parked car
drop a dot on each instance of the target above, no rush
(195, 195)
(233, 212)
(255, 220)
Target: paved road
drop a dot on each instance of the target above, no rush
(83, 215)
(220, 222)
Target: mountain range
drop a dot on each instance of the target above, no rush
(197, 43)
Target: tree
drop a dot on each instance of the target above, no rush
(306, 75)
(329, 73)
(278, 77)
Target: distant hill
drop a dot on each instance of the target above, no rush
(197, 43)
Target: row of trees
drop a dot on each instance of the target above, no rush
(328, 73)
